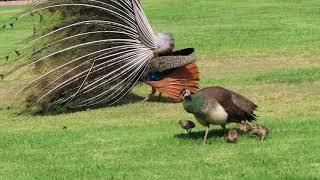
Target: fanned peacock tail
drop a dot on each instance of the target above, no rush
(94, 53)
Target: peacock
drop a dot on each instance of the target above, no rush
(218, 106)
(86, 53)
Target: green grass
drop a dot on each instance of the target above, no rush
(240, 27)
(266, 50)
(9, 41)
(277, 76)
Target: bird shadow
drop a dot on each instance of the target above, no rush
(130, 98)
(162, 99)
(134, 98)
(200, 134)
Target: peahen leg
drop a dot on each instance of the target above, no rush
(150, 95)
(206, 134)
(159, 97)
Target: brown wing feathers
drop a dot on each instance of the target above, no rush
(172, 84)
(238, 107)
(247, 106)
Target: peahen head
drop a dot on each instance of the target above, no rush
(185, 94)
(165, 43)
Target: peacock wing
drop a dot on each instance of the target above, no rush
(171, 85)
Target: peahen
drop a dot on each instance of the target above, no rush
(218, 106)
(94, 53)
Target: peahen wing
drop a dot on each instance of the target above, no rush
(94, 53)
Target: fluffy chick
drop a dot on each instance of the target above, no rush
(187, 125)
(244, 127)
(232, 136)
(260, 131)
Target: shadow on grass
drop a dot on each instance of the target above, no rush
(200, 134)
(128, 99)
(161, 99)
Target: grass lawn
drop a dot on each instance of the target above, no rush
(267, 50)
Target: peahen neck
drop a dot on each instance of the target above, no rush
(194, 104)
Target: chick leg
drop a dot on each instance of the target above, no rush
(150, 95)
(206, 134)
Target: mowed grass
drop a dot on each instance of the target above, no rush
(266, 50)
